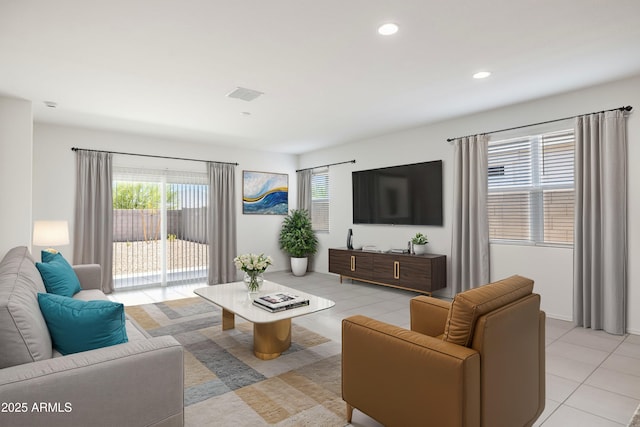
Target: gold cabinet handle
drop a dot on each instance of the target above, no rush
(396, 269)
(353, 263)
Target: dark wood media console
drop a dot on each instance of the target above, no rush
(421, 273)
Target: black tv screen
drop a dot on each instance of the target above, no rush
(407, 194)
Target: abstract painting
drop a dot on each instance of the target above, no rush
(265, 193)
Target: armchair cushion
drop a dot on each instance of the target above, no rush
(468, 306)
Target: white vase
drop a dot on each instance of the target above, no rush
(419, 249)
(299, 266)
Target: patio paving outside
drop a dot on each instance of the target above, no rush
(139, 263)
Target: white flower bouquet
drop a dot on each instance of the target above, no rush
(253, 266)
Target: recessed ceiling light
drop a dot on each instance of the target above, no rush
(388, 29)
(481, 75)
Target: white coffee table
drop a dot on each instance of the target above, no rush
(271, 331)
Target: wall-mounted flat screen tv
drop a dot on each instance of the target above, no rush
(401, 195)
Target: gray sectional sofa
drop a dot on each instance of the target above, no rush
(138, 383)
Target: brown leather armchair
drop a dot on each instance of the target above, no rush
(477, 361)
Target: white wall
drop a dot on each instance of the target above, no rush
(16, 122)
(54, 176)
(551, 268)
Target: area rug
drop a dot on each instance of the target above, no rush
(226, 385)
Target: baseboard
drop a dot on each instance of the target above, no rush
(558, 317)
(568, 319)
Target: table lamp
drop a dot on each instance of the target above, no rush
(50, 233)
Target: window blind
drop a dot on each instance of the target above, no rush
(320, 199)
(531, 188)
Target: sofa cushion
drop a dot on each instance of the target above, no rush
(24, 336)
(77, 325)
(468, 306)
(91, 295)
(58, 275)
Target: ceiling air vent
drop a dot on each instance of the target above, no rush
(244, 94)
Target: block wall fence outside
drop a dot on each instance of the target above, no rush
(133, 225)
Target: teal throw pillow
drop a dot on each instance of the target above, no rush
(76, 325)
(47, 255)
(58, 275)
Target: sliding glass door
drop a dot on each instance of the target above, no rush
(159, 227)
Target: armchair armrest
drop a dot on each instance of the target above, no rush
(401, 377)
(139, 383)
(429, 315)
(89, 275)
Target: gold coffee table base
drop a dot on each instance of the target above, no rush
(271, 339)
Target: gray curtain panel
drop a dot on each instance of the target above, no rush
(600, 232)
(304, 189)
(221, 223)
(470, 236)
(304, 199)
(93, 229)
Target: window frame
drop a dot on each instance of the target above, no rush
(534, 184)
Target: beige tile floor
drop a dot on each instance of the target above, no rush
(593, 378)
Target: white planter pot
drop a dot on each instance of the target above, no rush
(299, 266)
(419, 249)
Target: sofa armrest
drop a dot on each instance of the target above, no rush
(429, 315)
(89, 275)
(139, 383)
(401, 377)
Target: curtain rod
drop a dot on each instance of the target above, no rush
(326, 166)
(152, 155)
(627, 108)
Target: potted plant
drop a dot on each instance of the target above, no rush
(419, 242)
(298, 239)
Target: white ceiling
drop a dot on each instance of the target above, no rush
(163, 67)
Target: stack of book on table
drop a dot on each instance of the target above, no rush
(280, 301)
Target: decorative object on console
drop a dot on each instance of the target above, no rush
(298, 239)
(419, 243)
(399, 251)
(265, 193)
(350, 239)
(253, 266)
(50, 233)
